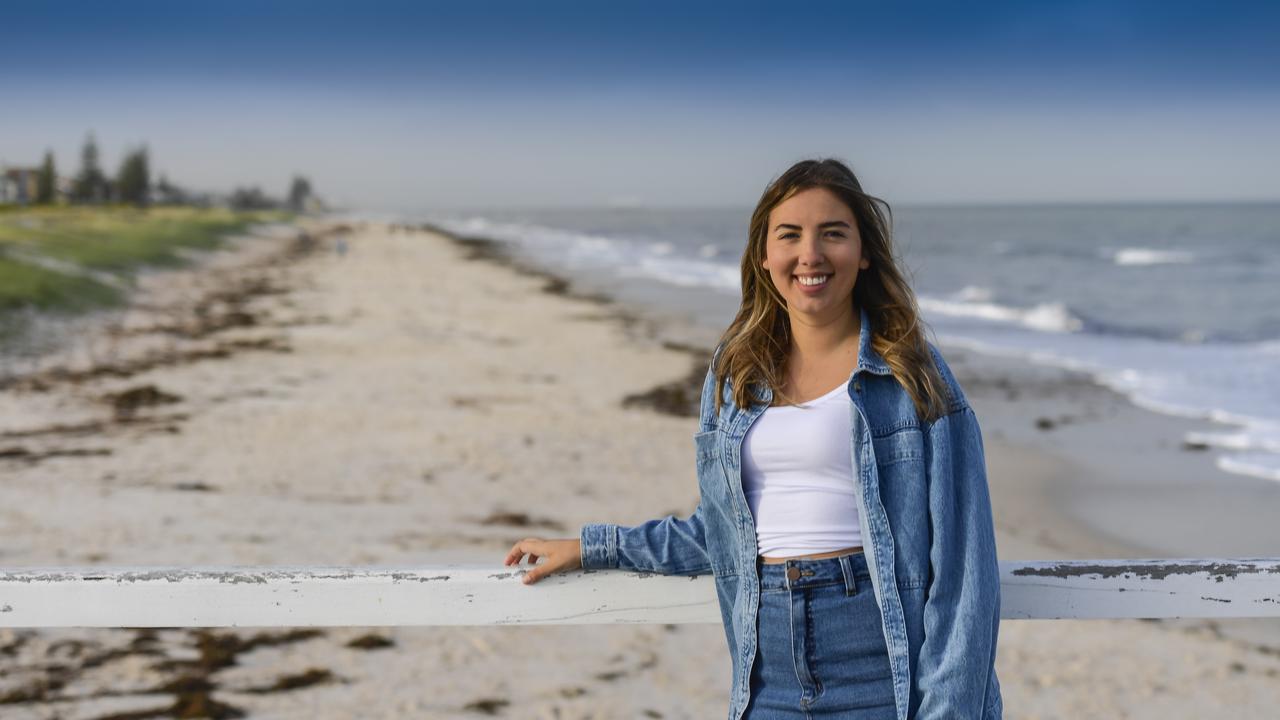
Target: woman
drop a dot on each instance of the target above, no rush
(844, 508)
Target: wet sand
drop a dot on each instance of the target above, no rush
(419, 399)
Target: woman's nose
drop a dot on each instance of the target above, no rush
(810, 251)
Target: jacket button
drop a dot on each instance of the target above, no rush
(857, 387)
(793, 574)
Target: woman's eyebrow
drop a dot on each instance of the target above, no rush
(829, 223)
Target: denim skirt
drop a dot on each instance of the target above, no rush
(821, 650)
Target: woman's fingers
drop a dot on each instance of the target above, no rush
(518, 551)
(513, 555)
(540, 571)
(555, 554)
(532, 546)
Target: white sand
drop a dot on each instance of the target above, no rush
(438, 392)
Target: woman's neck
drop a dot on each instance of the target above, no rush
(817, 339)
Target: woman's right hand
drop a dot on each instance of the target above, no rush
(557, 556)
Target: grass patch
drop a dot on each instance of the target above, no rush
(71, 259)
(25, 285)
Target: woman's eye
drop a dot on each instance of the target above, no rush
(788, 236)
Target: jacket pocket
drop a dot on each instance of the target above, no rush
(902, 445)
(712, 482)
(904, 493)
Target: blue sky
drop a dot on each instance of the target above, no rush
(422, 105)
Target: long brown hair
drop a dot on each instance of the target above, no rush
(756, 343)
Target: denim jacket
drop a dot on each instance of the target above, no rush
(921, 491)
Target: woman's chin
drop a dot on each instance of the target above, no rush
(816, 308)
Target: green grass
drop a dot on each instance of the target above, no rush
(54, 259)
(22, 285)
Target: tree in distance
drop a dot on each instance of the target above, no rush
(90, 184)
(299, 192)
(134, 180)
(46, 180)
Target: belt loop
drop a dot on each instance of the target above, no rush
(846, 569)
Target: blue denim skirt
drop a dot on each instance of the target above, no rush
(821, 650)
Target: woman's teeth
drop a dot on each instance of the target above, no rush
(811, 281)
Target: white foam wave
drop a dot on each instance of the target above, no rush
(1045, 317)
(1255, 465)
(1150, 256)
(653, 260)
(685, 273)
(1236, 385)
(973, 293)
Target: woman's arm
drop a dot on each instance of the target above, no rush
(668, 546)
(962, 608)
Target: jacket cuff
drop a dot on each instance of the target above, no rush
(599, 546)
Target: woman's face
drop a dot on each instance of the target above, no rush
(813, 253)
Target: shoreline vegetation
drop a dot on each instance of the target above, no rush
(74, 243)
(72, 260)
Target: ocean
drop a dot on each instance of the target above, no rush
(1175, 306)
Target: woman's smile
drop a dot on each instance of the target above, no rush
(813, 284)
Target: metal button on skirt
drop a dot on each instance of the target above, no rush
(821, 650)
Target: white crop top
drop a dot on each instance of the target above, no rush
(797, 474)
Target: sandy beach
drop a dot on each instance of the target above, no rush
(416, 399)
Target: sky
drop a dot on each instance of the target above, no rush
(417, 106)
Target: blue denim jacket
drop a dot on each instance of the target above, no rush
(928, 535)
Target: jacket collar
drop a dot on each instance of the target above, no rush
(868, 358)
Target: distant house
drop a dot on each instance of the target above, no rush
(18, 185)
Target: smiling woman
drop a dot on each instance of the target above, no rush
(813, 255)
(865, 584)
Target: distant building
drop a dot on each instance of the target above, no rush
(18, 185)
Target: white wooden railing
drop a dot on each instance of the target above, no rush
(494, 595)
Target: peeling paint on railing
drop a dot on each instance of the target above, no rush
(1230, 587)
(479, 595)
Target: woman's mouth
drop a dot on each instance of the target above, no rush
(812, 283)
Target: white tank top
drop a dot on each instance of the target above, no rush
(797, 474)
